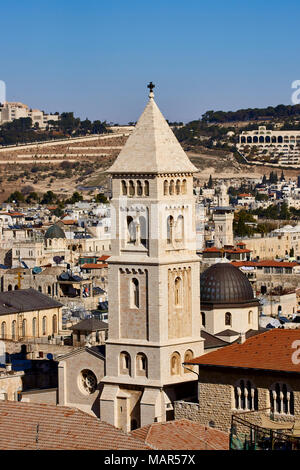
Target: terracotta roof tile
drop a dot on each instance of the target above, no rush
(271, 350)
(182, 434)
(103, 258)
(94, 265)
(266, 263)
(213, 249)
(60, 428)
(69, 222)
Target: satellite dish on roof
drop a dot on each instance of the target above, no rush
(64, 276)
(36, 270)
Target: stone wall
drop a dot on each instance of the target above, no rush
(216, 402)
(41, 396)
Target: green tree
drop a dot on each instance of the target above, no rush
(76, 197)
(32, 196)
(58, 212)
(16, 196)
(100, 198)
(210, 182)
(284, 211)
(48, 198)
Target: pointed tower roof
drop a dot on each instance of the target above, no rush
(152, 147)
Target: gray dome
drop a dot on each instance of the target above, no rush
(224, 284)
(55, 231)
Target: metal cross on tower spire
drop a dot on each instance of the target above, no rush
(151, 86)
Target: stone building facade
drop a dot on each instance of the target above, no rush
(258, 376)
(79, 379)
(217, 401)
(27, 314)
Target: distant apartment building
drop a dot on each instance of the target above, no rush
(15, 110)
(283, 146)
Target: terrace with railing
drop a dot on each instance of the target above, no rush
(259, 430)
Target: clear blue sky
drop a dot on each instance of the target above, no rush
(95, 57)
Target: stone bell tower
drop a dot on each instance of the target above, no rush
(154, 292)
(223, 216)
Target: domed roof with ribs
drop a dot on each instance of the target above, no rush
(224, 284)
(55, 231)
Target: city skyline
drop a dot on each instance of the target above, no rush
(96, 61)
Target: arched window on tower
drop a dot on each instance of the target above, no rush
(172, 188)
(170, 227)
(124, 188)
(178, 291)
(139, 188)
(245, 395)
(143, 231)
(134, 293)
(179, 229)
(141, 365)
(166, 188)
(178, 185)
(131, 188)
(146, 188)
(250, 317)
(228, 319)
(175, 364)
(184, 187)
(131, 231)
(125, 363)
(188, 356)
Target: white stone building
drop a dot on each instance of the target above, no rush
(15, 110)
(284, 145)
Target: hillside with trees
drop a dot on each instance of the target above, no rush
(21, 130)
(281, 112)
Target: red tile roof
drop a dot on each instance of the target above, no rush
(182, 434)
(245, 195)
(94, 265)
(103, 258)
(69, 222)
(268, 351)
(266, 263)
(60, 428)
(213, 249)
(238, 250)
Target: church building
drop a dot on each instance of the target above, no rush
(153, 288)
